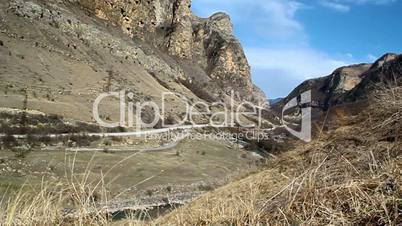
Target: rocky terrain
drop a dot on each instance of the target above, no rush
(57, 167)
(58, 56)
(350, 175)
(61, 54)
(351, 83)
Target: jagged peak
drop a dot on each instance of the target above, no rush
(354, 67)
(388, 55)
(384, 59)
(221, 22)
(219, 16)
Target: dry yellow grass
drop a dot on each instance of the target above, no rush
(351, 176)
(77, 200)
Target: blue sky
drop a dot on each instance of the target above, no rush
(289, 41)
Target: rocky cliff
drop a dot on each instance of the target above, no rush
(171, 26)
(325, 89)
(65, 52)
(351, 83)
(384, 73)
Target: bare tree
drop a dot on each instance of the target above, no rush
(23, 121)
(109, 80)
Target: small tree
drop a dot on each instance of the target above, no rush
(32, 140)
(109, 81)
(9, 141)
(23, 121)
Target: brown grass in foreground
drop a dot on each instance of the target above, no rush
(77, 200)
(351, 176)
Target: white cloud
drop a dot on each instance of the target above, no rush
(278, 18)
(302, 63)
(279, 71)
(273, 18)
(275, 42)
(371, 58)
(335, 6)
(376, 2)
(346, 5)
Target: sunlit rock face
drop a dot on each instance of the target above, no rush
(159, 43)
(171, 26)
(351, 83)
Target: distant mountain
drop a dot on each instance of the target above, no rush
(349, 83)
(385, 71)
(274, 101)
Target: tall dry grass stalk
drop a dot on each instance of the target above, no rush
(388, 112)
(76, 200)
(351, 177)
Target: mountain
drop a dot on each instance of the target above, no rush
(386, 71)
(275, 101)
(58, 168)
(59, 55)
(329, 181)
(350, 83)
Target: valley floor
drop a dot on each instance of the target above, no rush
(347, 176)
(350, 176)
(133, 180)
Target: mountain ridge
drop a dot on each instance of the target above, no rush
(349, 83)
(65, 53)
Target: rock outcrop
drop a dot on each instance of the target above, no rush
(350, 83)
(171, 26)
(66, 52)
(325, 89)
(385, 72)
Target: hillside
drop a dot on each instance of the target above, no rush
(351, 83)
(348, 176)
(60, 55)
(60, 166)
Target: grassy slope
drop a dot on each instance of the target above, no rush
(80, 182)
(351, 176)
(63, 74)
(190, 162)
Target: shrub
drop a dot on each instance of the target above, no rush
(169, 189)
(107, 143)
(21, 154)
(81, 140)
(32, 140)
(117, 139)
(9, 141)
(149, 192)
(44, 139)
